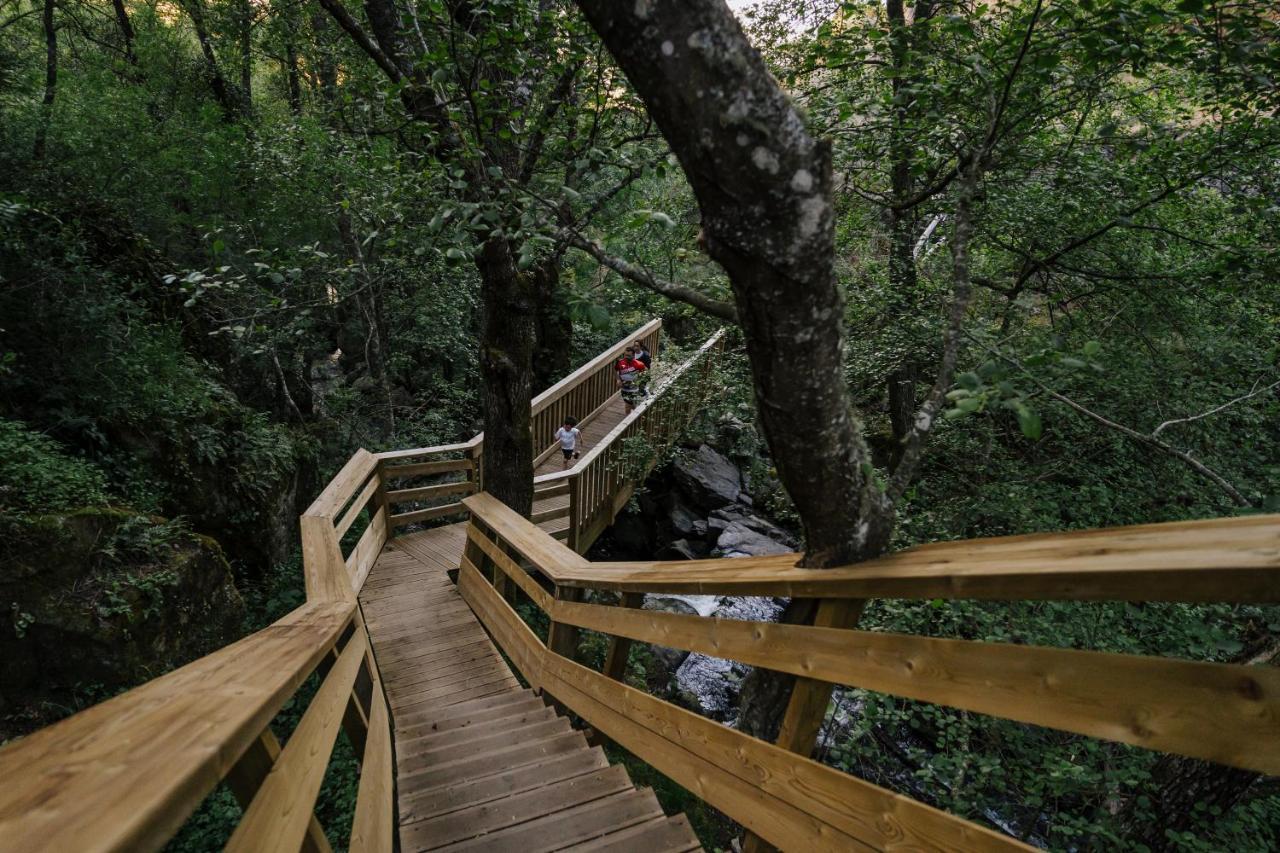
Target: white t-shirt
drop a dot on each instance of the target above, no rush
(568, 437)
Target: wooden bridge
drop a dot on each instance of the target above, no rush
(440, 684)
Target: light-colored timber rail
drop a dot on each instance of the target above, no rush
(1220, 712)
(456, 754)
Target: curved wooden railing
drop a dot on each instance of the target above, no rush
(1219, 712)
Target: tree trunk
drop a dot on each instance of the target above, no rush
(50, 80)
(506, 365)
(217, 83)
(763, 186)
(244, 14)
(126, 31)
(552, 357)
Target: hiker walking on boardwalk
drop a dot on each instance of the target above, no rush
(643, 355)
(568, 435)
(631, 375)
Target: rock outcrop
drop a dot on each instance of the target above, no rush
(99, 600)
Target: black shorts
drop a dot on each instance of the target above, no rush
(568, 454)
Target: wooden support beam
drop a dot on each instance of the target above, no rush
(245, 778)
(807, 707)
(615, 660)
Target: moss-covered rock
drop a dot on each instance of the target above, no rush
(99, 600)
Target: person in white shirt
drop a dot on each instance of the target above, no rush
(568, 436)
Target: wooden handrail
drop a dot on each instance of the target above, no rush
(1218, 560)
(1226, 713)
(125, 774)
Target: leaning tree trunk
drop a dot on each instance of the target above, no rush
(764, 189)
(506, 356)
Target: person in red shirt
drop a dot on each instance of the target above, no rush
(630, 371)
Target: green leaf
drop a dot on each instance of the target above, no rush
(1029, 420)
(1092, 348)
(455, 254)
(969, 380)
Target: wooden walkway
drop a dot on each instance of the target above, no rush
(480, 762)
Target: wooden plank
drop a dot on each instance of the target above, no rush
(578, 823)
(344, 484)
(531, 588)
(660, 835)
(277, 818)
(488, 788)
(324, 570)
(411, 453)
(477, 766)
(615, 659)
(125, 774)
(515, 809)
(343, 524)
(362, 558)
(462, 487)
(549, 514)
(551, 492)
(550, 557)
(790, 800)
(1220, 712)
(373, 827)
(442, 466)
(246, 778)
(426, 514)
(1221, 560)
(447, 750)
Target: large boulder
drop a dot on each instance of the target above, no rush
(738, 540)
(710, 686)
(100, 600)
(709, 479)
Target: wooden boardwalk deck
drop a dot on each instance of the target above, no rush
(482, 763)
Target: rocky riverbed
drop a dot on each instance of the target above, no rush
(699, 506)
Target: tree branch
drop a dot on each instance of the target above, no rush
(1148, 440)
(633, 273)
(961, 292)
(1255, 392)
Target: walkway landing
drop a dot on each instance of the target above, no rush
(482, 764)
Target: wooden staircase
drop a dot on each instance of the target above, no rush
(482, 763)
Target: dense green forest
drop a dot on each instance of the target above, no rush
(990, 269)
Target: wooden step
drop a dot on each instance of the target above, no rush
(570, 826)
(449, 798)
(660, 835)
(445, 752)
(478, 766)
(460, 714)
(428, 739)
(512, 811)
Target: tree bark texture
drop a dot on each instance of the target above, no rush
(552, 357)
(50, 79)
(764, 187)
(506, 352)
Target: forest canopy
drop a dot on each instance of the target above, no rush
(990, 268)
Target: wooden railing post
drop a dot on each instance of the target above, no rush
(615, 660)
(563, 639)
(245, 778)
(807, 707)
(575, 508)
